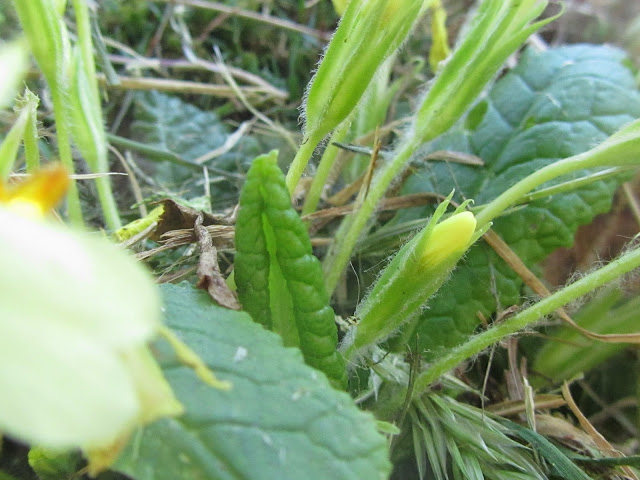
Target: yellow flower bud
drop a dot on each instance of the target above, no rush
(448, 238)
(419, 269)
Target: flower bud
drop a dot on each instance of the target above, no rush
(418, 270)
(369, 32)
(448, 238)
(498, 29)
(42, 22)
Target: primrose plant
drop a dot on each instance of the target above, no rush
(275, 269)
(289, 367)
(496, 30)
(76, 368)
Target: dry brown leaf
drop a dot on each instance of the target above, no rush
(533, 282)
(208, 271)
(594, 434)
(177, 217)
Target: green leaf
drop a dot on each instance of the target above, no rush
(554, 104)
(566, 352)
(279, 280)
(52, 465)
(281, 419)
(168, 124)
(631, 461)
(564, 467)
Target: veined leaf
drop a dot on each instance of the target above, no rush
(280, 419)
(568, 99)
(168, 124)
(279, 280)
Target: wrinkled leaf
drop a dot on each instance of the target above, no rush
(281, 419)
(568, 99)
(168, 124)
(279, 280)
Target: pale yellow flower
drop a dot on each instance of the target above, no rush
(76, 313)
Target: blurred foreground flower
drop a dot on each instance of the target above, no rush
(76, 313)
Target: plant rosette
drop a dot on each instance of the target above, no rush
(76, 314)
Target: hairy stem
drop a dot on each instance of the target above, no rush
(103, 184)
(393, 400)
(324, 169)
(478, 343)
(64, 149)
(300, 161)
(516, 192)
(353, 226)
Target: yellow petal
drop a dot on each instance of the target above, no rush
(77, 280)
(38, 194)
(60, 388)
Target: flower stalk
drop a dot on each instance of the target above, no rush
(369, 32)
(509, 326)
(512, 325)
(87, 127)
(619, 150)
(43, 25)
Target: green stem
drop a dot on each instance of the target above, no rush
(31, 151)
(513, 195)
(110, 211)
(64, 149)
(621, 149)
(478, 343)
(352, 226)
(324, 169)
(83, 26)
(572, 185)
(103, 184)
(300, 161)
(394, 398)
